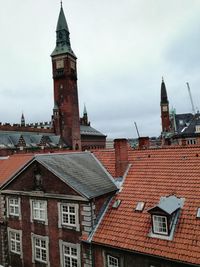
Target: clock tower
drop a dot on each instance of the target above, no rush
(164, 105)
(66, 112)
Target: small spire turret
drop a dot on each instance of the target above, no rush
(84, 119)
(84, 110)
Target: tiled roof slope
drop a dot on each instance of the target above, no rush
(154, 174)
(107, 157)
(9, 166)
(81, 170)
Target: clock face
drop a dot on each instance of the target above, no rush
(73, 65)
(59, 64)
(164, 108)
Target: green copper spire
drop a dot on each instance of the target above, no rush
(62, 36)
(62, 23)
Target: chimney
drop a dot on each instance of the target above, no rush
(144, 142)
(184, 143)
(121, 156)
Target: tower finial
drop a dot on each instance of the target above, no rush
(61, 3)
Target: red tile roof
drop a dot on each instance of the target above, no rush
(10, 165)
(153, 174)
(107, 157)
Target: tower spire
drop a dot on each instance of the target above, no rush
(63, 44)
(164, 104)
(22, 120)
(164, 98)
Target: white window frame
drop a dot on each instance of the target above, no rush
(15, 206)
(191, 141)
(35, 247)
(39, 210)
(61, 222)
(14, 240)
(77, 257)
(114, 259)
(158, 222)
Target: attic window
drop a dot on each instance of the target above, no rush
(164, 217)
(116, 203)
(160, 225)
(198, 213)
(140, 206)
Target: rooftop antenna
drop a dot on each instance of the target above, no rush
(137, 129)
(191, 100)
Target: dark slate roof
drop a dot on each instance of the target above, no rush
(183, 121)
(88, 130)
(186, 123)
(10, 139)
(169, 204)
(81, 171)
(15, 138)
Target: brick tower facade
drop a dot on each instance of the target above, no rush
(66, 110)
(164, 105)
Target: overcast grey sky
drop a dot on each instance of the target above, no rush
(123, 48)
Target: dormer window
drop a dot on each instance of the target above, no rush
(164, 217)
(160, 225)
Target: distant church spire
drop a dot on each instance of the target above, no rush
(84, 110)
(84, 119)
(164, 105)
(164, 98)
(22, 120)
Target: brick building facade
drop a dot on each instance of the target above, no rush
(49, 206)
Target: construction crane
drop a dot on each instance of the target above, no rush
(136, 129)
(193, 109)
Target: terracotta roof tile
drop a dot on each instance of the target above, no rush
(154, 174)
(11, 165)
(107, 157)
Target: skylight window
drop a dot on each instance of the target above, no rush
(116, 203)
(140, 206)
(198, 213)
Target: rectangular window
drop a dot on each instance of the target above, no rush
(39, 210)
(13, 206)
(70, 254)
(40, 248)
(191, 141)
(112, 261)
(15, 244)
(160, 224)
(68, 215)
